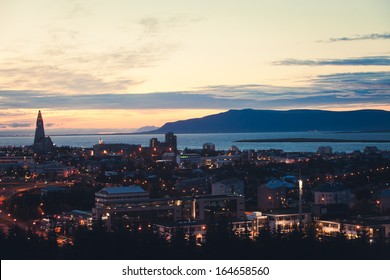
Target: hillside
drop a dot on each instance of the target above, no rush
(249, 120)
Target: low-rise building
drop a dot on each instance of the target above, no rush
(332, 193)
(371, 227)
(384, 201)
(197, 185)
(287, 220)
(228, 186)
(272, 195)
(121, 205)
(189, 159)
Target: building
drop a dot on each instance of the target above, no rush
(228, 186)
(120, 149)
(189, 228)
(153, 143)
(249, 155)
(258, 222)
(197, 185)
(287, 220)
(118, 195)
(171, 141)
(126, 205)
(170, 144)
(54, 189)
(371, 227)
(207, 207)
(8, 163)
(229, 159)
(51, 169)
(384, 201)
(42, 144)
(273, 194)
(209, 147)
(325, 150)
(332, 193)
(82, 218)
(185, 160)
(198, 229)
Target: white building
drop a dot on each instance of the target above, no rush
(119, 195)
(189, 159)
(287, 221)
(258, 221)
(373, 227)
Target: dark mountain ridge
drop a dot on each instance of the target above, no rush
(249, 120)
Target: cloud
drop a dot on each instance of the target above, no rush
(111, 69)
(60, 80)
(161, 100)
(65, 61)
(342, 89)
(372, 36)
(15, 125)
(150, 24)
(359, 61)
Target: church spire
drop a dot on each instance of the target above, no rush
(39, 129)
(42, 144)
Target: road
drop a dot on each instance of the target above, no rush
(7, 190)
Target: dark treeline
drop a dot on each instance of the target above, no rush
(221, 243)
(30, 204)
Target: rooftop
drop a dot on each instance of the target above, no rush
(274, 184)
(328, 187)
(286, 212)
(385, 193)
(122, 190)
(231, 181)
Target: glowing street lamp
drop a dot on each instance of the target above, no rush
(300, 189)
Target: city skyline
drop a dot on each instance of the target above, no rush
(123, 65)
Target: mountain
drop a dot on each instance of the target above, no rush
(249, 120)
(146, 128)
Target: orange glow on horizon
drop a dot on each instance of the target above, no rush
(108, 119)
(121, 120)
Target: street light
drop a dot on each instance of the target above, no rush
(300, 188)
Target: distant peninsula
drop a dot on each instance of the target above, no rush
(249, 121)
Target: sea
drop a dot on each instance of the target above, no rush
(222, 141)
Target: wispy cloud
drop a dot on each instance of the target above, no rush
(343, 89)
(15, 125)
(65, 62)
(60, 80)
(357, 61)
(372, 36)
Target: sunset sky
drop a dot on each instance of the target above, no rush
(122, 64)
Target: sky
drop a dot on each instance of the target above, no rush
(115, 66)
